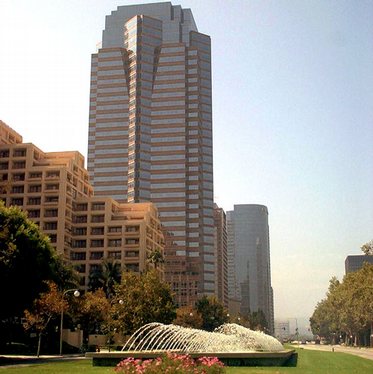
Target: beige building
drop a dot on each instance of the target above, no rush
(53, 188)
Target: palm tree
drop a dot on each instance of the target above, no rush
(105, 277)
(156, 257)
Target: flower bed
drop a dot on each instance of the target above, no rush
(171, 363)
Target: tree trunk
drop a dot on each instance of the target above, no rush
(39, 345)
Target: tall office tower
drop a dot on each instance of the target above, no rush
(150, 132)
(248, 233)
(220, 245)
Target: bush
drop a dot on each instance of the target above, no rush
(171, 363)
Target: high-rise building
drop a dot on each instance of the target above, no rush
(220, 245)
(248, 238)
(150, 132)
(53, 188)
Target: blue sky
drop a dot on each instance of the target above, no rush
(292, 105)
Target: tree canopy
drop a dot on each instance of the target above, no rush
(26, 260)
(347, 310)
(212, 312)
(141, 299)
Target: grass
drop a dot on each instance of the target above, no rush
(309, 362)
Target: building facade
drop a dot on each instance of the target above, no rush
(248, 241)
(53, 188)
(221, 255)
(150, 132)
(356, 262)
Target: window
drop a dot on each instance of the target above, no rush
(51, 199)
(115, 242)
(132, 267)
(17, 189)
(97, 255)
(34, 201)
(97, 231)
(51, 213)
(132, 253)
(78, 256)
(115, 229)
(19, 177)
(20, 152)
(132, 228)
(34, 213)
(81, 207)
(98, 206)
(50, 186)
(80, 231)
(97, 243)
(115, 255)
(35, 175)
(16, 201)
(34, 188)
(19, 164)
(80, 219)
(4, 165)
(132, 241)
(50, 226)
(79, 244)
(53, 174)
(4, 153)
(95, 219)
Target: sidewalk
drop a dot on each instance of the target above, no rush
(361, 352)
(7, 361)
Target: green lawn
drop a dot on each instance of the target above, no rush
(309, 362)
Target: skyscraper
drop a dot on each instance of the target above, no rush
(150, 131)
(248, 243)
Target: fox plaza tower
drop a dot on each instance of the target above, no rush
(150, 132)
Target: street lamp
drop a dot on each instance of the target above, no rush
(76, 294)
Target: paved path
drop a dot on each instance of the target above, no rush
(361, 352)
(7, 361)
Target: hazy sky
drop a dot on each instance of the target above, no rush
(292, 109)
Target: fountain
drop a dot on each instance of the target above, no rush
(233, 344)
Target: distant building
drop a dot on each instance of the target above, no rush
(356, 262)
(282, 330)
(220, 247)
(248, 243)
(53, 188)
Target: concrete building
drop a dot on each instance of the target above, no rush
(53, 188)
(248, 243)
(356, 262)
(150, 132)
(282, 330)
(221, 255)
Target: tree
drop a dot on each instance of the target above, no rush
(187, 316)
(26, 260)
(141, 299)
(105, 277)
(367, 248)
(257, 320)
(156, 258)
(348, 307)
(47, 306)
(93, 312)
(212, 312)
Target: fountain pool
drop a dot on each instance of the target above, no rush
(233, 344)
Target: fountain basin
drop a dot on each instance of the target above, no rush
(286, 357)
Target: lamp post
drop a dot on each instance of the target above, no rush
(76, 294)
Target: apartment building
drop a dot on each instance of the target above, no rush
(53, 188)
(127, 234)
(150, 132)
